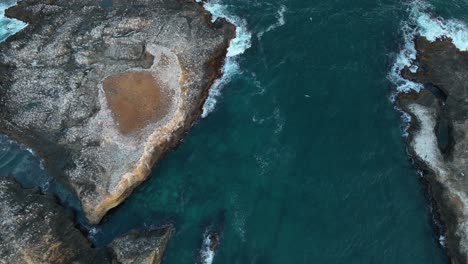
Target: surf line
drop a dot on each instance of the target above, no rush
(10, 26)
(238, 46)
(423, 22)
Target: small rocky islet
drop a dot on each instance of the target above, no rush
(100, 90)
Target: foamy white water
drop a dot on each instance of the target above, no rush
(238, 46)
(433, 27)
(8, 26)
(422, 21)
(281, 21)
(206, 254)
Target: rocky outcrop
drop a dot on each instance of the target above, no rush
(35, 229)
(209, 246)
(102, 89)
(141, 247)
(437, 136)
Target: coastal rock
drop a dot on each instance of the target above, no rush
(35, 229)
(141, 247)
(102, 89)
(437, 136)
(209, 246)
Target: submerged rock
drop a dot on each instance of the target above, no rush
(102, 89)
(437, 138)
(35, 229)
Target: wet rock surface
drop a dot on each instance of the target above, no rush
(35, 229)
(437, 136)
(52, 97)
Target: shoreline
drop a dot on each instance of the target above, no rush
(214, 70)
(428, 73)
(436, 138)
(57, 240)
(188, 110)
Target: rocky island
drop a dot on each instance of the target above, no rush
(438, 139)
(100, 90)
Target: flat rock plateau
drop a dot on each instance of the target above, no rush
(438, 134)
(100, 90)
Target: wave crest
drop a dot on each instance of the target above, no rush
(238, 46)
(9, 26)
(422, 21)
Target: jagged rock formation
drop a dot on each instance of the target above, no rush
(35, 229)
(141, 247)
(437, 136)
(102, 89)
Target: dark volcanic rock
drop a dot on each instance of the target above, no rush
(35, 229)
(438, 139)
(52, 97)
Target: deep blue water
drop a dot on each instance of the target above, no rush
(302, 158)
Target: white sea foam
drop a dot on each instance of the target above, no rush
(279, 23)
(442, 241)
(93, 231)
(9, 26)
(206, 254)
(238, 46)
(406, 118)
(425, 142)
(405, 58)
(433, 27)
(423, 22)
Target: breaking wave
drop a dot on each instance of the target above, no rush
(422, 21)
(9, 26)
(238, 46)
(207, 253)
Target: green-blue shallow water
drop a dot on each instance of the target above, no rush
(302, 159)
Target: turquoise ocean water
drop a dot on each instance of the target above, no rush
(300, 156)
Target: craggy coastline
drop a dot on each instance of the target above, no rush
(430, 74)
(437, 134)
(54, 97)
(56, 239)
(199, 68)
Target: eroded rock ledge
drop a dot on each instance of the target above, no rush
(35, 229)
(437, 136)
(102, 92)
